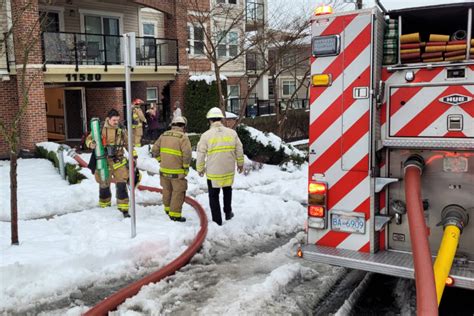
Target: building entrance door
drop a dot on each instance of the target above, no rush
(75, 113)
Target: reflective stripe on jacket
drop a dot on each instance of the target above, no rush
(173, 151)
(138, 118)
(218, 151)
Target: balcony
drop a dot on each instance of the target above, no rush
(255, 15)
(84, 50)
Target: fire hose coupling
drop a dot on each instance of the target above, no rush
(454, 215)
(415, 161)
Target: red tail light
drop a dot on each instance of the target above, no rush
(316, 211)
(317, 188)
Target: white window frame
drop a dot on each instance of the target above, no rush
(191, 39)
(227, 45)
(152, 100)
(229, 98)
(55, 9)
(283, 85)
(142, 28)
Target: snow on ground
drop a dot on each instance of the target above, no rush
(42, 192)
(86, 245)
(249, 285)
(273, 140)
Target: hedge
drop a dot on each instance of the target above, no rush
(265, 153)
(72, 171)
(199, 98)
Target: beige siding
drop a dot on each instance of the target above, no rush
(72, 13)
(150, 15)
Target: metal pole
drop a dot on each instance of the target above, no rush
(62, 167)
(131, 164)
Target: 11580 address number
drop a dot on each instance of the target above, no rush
(83, 77)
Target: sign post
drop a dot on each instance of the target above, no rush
(130, 62)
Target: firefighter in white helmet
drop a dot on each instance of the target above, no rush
(218, 152)
(173, 151)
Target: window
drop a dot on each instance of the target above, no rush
(149, 30)
(229, 45)
(195, 40)
(227, 1)
(49, 21)
(289, 87)
(151, 95)
(289, 60)
(233, 103)
(271, 86)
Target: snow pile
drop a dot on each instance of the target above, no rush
(87, 245)
(273, 140)
(54, 147)
(230, 115)
(208, 78)
(42, 192)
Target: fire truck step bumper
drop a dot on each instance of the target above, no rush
(394, 263)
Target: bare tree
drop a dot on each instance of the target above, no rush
(9, 129)
(218, 22)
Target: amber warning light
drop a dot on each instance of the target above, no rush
(317, 188)
(449, 281)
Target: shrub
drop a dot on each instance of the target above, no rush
(72, 171)
(199, 98)
(194, 139)
(73, 175)
(257, 151)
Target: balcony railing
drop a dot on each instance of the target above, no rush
(65, 48)
(255, 12)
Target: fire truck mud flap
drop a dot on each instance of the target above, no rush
(394, 263)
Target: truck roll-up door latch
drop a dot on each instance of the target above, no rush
(455, 122)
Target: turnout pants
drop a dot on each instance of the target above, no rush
(120, 175)
(215, 204)
(174, 191)
(137, 136)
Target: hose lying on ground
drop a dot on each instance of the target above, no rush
(111, 303)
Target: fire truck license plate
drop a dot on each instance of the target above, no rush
(347, 223)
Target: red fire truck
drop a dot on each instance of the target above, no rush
(392, 142)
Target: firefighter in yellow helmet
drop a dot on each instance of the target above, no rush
(138, 118)
(218, 152)
(173, 151)
(114, 140)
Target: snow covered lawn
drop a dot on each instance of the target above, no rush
(76, 245)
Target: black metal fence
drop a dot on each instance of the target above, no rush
(259, 107)
(99, 49)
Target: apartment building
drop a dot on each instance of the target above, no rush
(238, 20)
(75, 61)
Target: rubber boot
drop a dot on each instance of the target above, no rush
(178, 219)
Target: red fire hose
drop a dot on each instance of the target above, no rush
(118, 298)
(426, 299)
